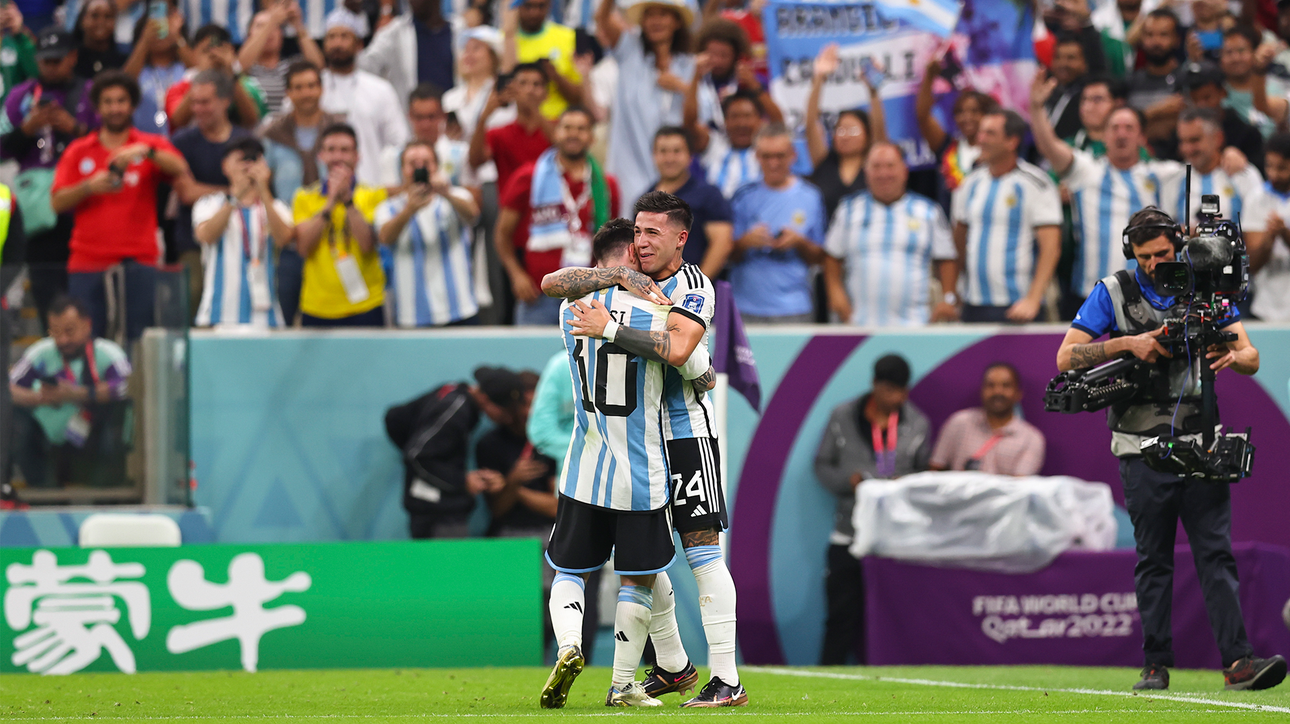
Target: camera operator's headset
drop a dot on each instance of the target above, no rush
(1174, 232)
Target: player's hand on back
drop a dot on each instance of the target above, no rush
(589, 319)
(642, 286)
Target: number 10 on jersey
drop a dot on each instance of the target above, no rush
(615, 378)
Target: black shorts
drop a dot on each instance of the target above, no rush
(585, 535)
(698, 503)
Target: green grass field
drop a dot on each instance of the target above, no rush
(997, 695)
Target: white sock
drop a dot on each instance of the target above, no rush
(668, 649)
(567, 605)
(716, 609)
(631, 626)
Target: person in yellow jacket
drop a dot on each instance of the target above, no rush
(13, 241)
(344, 285)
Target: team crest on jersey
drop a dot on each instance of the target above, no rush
(87, 165)
(1011, 201)
(914, 225)
(1229, 191)
(1149, 185)
(799, 217)
(692, 303)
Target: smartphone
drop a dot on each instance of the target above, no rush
(159, 12)
(872, 74)
(503, 79)
(421, 176)
(950, 66)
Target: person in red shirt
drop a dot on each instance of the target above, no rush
(521, 141)
(550, 209)
(108, 182)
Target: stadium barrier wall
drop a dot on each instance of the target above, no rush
(289, 445)
(275, 606)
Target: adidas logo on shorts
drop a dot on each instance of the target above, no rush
(620, 636)
(698, 510)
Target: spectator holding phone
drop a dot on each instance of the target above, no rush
(213, 50)
(108, 181)
(429, 228)
(157, 62)
(44, 115)
(261, 54)
(839, 167)
(511, 146)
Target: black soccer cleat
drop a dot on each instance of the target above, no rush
(1154, 677)
(1253, 674)
(659, 681)
(719, 693)
(568, 665)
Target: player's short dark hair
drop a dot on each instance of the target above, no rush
(301, 66)
(1165, 14)
(1246, 31)
(743, 94)
(661, 202)
(1066, 38)
(585, 111)
(426, 92)
(725, 31)
(666, 131)
(63, 302)
(1100, 79)
(611, 238)
(247, 146)
(334, 129)
(892, 369)
(528, 68)
(1153, 217)
(1014, 126)
(1000, 364)
(114, 79)
(1279, 143)
(213, 31)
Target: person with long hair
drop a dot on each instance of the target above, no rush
(839, 167)
(957, 155)
(95, 36)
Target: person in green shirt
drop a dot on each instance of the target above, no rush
(17, 50)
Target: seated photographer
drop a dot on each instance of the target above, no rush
(991, 438)
(69, 404)
(1127, 306)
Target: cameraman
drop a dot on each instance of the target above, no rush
(1126, 306)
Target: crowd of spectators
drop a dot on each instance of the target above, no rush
(421, 163)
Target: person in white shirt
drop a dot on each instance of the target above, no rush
(428, 121)
(1270, 249)
(1003, 212)
(428, 226)
(1215, 170)
(367, 102)
(882, 244)
(240, 232)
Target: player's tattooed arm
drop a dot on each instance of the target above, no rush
(709, 537)
(575, 282)
(1084, 356)
(653, 346)
(705, 381)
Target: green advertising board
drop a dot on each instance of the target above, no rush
(250, 607)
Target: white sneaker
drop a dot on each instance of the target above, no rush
(631, 695)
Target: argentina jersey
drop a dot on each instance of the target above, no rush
(1232, 191)
(729, 168)
(888, 251)
(1103, 198)
(1001, 215)
(433, 278)
(616, 457)
(239, 273)
(685, 414)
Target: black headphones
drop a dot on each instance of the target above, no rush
(1174, 232)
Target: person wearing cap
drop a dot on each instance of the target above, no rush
(479, 59)
(368, 102)
(413, 48)
(532, 37)
(433, 434)
(651, 42)
(108, 180)
(42, 116)
(240, 230)
(880, 435)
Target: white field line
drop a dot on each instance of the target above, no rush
(732, 712)
(1006, 687)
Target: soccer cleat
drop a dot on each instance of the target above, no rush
(659, 681)
(1154, 677)
(631, 695)
(1253, 674)
(568, 664)
(719, 693)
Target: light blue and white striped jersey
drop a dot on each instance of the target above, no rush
(888, 253)
(314, 13)
(234, 15)
(576, 14)
(227, 294)
(1271, 284)
(729, 168)
(1001, 215)
(1103, 198)
(616, 456)
(685, 415)
(1232, 191)
(433, 280)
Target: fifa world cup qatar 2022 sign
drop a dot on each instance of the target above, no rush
(423, 603)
